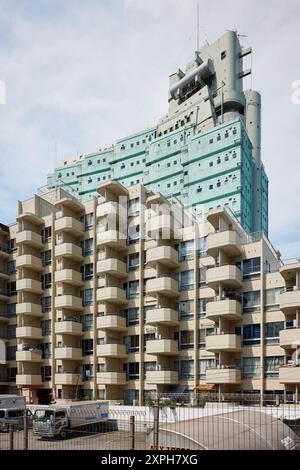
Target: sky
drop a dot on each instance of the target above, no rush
(79, 75)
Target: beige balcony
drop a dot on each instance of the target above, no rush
(69, 276)
(28, 356)
(223, 376)
(68, 379)
(4, 251)
(288, 271)
(289, 338)
(27, 308)
(69, 250)
(69, 302)
(228, 275)
(30, 332)
(69, 224)
(228, 309)
(163, 224)
(113, 239)
(162, 316)
(289, 375)
(165, 255)
(162, 285)
(115, 350)
(162, 377)
(3, 295)
(30, 285)
(167, 347)
(223, 342)
(107, 209)
(4, 318)
(69, 353)
(229, 242)
(111, 378)
(111, 322)
(30, 262)
(30, 238)
(290, 300)
(112, 266)
(71, 328)
(29, 380)
(3, 274)
(114, 295)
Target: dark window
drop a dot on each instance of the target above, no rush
(87, 347)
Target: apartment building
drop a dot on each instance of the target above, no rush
(126, 295)
(206, 150)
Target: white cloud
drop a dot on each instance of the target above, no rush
(83, 74)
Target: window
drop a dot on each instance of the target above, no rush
(87, 297)
(87, 247)
(186, 250)
(186, 339)
(211, 164)
(133, 206)
(11, 289)
(251, 335)
(87, 372)
(11, 353)
(132, 289)
(132, 316)
(11, 310)
(46, 350)
(11, 267)
(211, 186)
(88, 220)
(272, 298)
(186, 309)
(87, 272)
(251, 301)
(251, 268)
(46, 258)
(186, 280)
(211, 141)
(133, 261)
(202, 246)
(186, 370)
(202, 276)
(205, 364)
(272, 332)
(87, 322)
(223, 55)
(133, 233)
(11, 374)
(11, 245)
(46, 373)
(46, 327)
(11, 331)
(272, 365)
(46, 281)
(251, 367)
(133, 370)
(87, 347)
(202, 308)
(46, 304)
(133, 343)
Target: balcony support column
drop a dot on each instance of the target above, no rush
(297, 318)
(296, 393)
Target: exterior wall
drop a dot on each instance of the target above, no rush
(206, 150)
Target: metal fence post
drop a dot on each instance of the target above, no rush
(25, 426)
(132, 433)
(156, 425)
(11, 437)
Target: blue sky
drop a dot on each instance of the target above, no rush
(83, 74)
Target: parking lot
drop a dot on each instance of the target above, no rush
(111, 440)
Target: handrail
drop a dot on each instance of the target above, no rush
(290, 289)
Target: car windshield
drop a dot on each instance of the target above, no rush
(43, 415)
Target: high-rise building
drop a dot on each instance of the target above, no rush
(106, 299)
(206, 150)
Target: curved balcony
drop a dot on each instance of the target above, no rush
(69, 276)
(223, 375)
(223, 342)
(111, 322)
(4, 251)
(111, 378)
(162, 377)
(161, 223)
(68, 353)
(29, 238)
(68, 327)
(162, 285)
(29, 356)
(229, 276)
(165, 255)
(28, 332)
(29, 262)
(69, 302)
(69, 250)
(289, 375)
(27, 308)
(113, 266)
(228, 309)
(114, 295)
(107, 209)
(229, 242)
(113, 239)
(115, 350)
(290, 300)
(28, 380)
(289, 338)
(68, 378)
(29, 285)
(71, 225)
(164, 347)
(162, 316)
